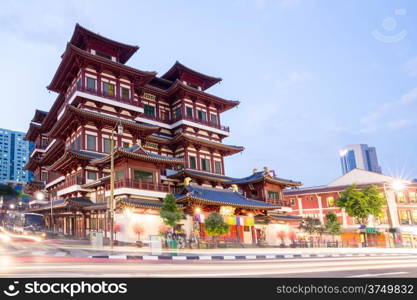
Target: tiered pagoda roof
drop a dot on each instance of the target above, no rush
(82, 36)
(264, 176)
(200, 175)
(74, 57)
(215, 196)
(66, 160)
(138, 153)
(178, 70)
(73, 114)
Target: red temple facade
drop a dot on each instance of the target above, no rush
(171, 142)
(396, 224)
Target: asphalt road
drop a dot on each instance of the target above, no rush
(26, 259)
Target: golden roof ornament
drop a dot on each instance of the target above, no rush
(255, 170)
(187, 181)
(234, 188)
(266, 170)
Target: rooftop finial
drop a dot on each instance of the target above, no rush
(234, 187)
(266, 171)
(187, 181)
(255, 170)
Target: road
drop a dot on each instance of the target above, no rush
(26, 259)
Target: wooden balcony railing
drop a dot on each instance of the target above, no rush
(139, 184)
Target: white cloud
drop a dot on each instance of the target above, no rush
(411, 67)
(293, 78)
(386, 116)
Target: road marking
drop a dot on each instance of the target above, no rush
(376, 275)
(148, 257)
(60, 254)
(179, 257)
(254, 256)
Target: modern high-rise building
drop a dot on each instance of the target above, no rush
(14, 154)
(359, 156)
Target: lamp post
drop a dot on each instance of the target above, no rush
(41, 196)
(111, 203)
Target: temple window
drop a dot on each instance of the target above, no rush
(412, 197)
(149, 110)
(193, 162)
(400, 197)
(404, 217)
(143, 176)
(202, 115)
(213, 119)
(189, 111)
(330, 201)
(106, 145)
(126, 145)
(79, 142)
(177, 113)
(218, 167)
(108, 88)
(125, 93)
(91, 175)
(102, 54)
(91, 83)
(120, 174)
(273, 195)
(91, 143)
(205, 164)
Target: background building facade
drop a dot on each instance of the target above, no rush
(359, 156)
(14, 154)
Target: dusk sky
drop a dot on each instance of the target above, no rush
(311, 75)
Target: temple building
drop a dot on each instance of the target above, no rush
(396, 224)
(168, 135)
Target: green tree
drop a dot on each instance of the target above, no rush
(332, 224)
(170, 213)
(215, 225)
(309, 225)
(361, 203)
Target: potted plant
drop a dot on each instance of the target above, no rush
(116, 228)
(138, 229)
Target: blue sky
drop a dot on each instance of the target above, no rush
(312, 76)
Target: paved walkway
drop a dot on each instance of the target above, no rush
(131, 250)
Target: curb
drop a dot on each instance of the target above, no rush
(237, 257)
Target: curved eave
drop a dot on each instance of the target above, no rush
(219, 203)
(126, 50)
(183, 173)
(283, 182)
(177, 68)
(137, 156)
(33, 132)
(269, 180)
(72, 111)
(67, 158)
(74, 55)
(123, 203)
(209, 144)
(32, 164)
(55, 150)
(223, 103)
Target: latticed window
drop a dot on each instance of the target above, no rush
(273, 195)
(193, 164)
(143, 176)
(108, 89)
(217, 167)
(91, 142)
(91, 83)
(125, 93)
(149, 110)
(205, 164)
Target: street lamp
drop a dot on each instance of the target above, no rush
(111, 205)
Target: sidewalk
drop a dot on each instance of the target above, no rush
(132, 250)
